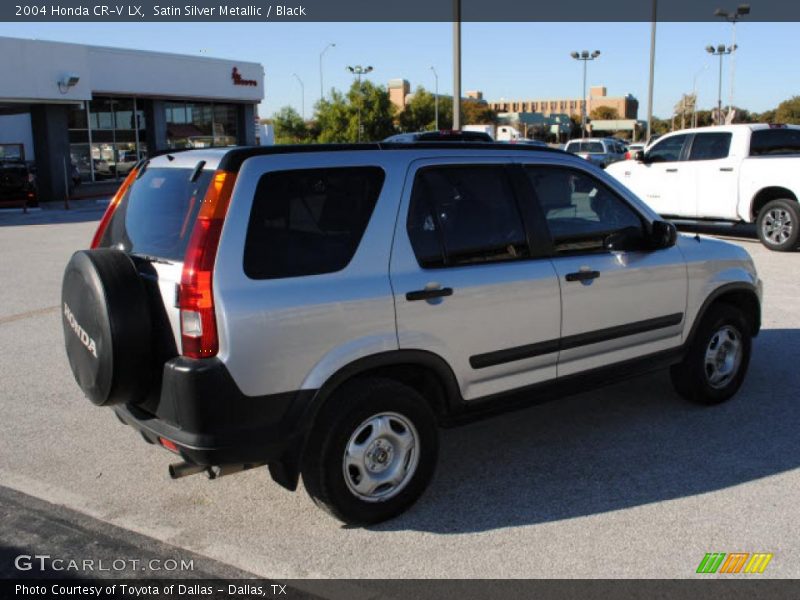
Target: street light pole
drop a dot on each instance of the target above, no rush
(694, 95)
(436, 98)
(321, 54)
(732, 17)
(358, 71)
(302, 95)
(720, 51)
(585, 56)
(456, 65)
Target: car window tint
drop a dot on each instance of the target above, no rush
(710, 146)
(667, 150)
(310, 221)
(465, 215)
(580, 211)
(775, 141)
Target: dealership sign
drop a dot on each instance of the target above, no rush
(238, 80)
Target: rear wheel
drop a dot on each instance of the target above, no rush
(372, 452)
(716, 363)
(779, 225)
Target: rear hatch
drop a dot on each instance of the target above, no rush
(153, 223)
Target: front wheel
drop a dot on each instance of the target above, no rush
(715, 365)
(779, 225)
(372, 452)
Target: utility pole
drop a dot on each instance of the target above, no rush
(456, 65)
(436, 98)
(652, 72)
(358, 71)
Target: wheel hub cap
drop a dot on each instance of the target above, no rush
(723, 356)
(778, 226)
(381, 457)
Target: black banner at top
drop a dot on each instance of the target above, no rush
(390, 10)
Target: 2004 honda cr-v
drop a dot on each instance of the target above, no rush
(323, 310)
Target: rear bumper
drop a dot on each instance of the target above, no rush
(199, 408)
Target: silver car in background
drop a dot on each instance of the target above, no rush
(598, 151)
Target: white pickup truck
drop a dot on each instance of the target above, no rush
(731, 173)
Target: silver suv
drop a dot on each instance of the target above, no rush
(323, 310)
(598, 151)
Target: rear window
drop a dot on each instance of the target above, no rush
(775, 141)
(710, 146)
(588, 147)
(157, 213)
(310, 221)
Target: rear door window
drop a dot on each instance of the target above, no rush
(309, 221)
(461, 215)
(156, 215)
(710, 146)
(775, 141)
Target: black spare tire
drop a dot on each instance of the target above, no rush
(107, 331)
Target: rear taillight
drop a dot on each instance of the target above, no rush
(628, 155)
(112, 206)
(196, 297)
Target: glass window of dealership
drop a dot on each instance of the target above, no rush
(108, 134)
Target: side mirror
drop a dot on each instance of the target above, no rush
(639, 156)
(625, 240)
(663, 235)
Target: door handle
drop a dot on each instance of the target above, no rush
(726, 169)
(672, 170)
(429, 294)
(582, 276)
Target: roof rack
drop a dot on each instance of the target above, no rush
(233, 159)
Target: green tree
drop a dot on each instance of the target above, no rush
(604, 113)
(289, 127)
(420, 112)
(474, 112)
(788, 111)
(337, 119)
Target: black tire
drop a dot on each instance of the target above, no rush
(107, 326)
(785, 210)
(691, 378)
(323, 464)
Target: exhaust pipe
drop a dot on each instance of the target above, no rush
(184, 469)
(217, 471)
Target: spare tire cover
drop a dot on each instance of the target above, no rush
(107, 326)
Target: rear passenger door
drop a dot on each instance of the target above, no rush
(715, 175)
(616, 304)
(468, 276)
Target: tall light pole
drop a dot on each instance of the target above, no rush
(720, 51)
(652, 72)
(694, 95)
(584, 56)
(741, 11)
(436, 98)
(302, 95)
(321, 54)
(358, 71)
(456, 65)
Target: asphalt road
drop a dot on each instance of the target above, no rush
(628, 481)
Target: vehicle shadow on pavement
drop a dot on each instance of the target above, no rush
(626, 445)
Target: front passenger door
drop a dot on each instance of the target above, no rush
(616, 304)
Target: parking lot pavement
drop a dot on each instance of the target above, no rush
(628, 481)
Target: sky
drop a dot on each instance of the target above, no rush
(504, 60)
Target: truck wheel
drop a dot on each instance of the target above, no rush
(715, 365)
(779, 225)
(372, 451)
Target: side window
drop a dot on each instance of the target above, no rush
(310, 221)
(461, 215)
(667, 150)
(580, 211)
(710, 146)
(777, 140)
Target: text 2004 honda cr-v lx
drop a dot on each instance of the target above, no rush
(324, 310)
